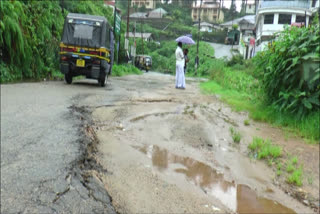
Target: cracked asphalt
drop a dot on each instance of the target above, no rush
(43, 147)
(137, 145)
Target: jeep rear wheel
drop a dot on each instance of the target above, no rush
(68, 78)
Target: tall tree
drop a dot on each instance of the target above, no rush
(233, 8)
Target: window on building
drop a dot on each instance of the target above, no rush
(205, 10)
(268, 19)
(300, 19)
(284, 19)
(148, 3)
(249, 6)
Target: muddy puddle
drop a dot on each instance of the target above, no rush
(237, 197)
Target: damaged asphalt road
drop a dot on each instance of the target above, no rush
(136, 146)
(47, 162)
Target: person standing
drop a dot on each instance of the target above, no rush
(180, 62)
(186, 59)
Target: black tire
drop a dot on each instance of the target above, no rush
(68, 78)
(102, 81)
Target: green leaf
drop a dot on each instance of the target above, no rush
(310, 56)
(306, 103)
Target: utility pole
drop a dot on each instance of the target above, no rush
(197, 57)
(219, 10)
(128, 19)
(232, 2)
(142, 36)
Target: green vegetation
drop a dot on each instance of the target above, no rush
(294, 160)
(294, 173)
(296, 177)
(264, 149)
(246, 122)
(122, 70)
(163, 58)
(236, 136)
(238, 84)
(290, 72)
(290, 168)
(30, 33)
(279, 86)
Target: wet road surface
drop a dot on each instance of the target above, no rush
(143, 143)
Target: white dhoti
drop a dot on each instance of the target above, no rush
(180, 78)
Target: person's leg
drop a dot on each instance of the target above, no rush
(180, 76)
(183, 80)
(177, 75)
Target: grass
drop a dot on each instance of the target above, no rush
(306, 127)
(294, 160)
(246, 122)
(264, 149)
(290, 168)
(236, 136)
(296, 177)
(125, 69)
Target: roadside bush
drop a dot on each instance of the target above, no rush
(125, 69)
(236, 59)
(290, 70)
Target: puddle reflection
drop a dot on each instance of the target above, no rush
(239, 198)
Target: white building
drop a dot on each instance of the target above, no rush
(246, 25)
(149, 4)
(273, 16)
(209, 11)
(250, 8)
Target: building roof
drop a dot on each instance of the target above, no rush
(138, 35)
(159, 10)
(157, 13)
(248, 18)
(138, 15)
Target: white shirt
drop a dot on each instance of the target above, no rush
(179, 56)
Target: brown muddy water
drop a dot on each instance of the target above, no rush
(239, 198)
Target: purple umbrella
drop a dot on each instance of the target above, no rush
(185, 40)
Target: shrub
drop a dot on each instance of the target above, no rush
(264, 148)
(126, 69)
(289, 83)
